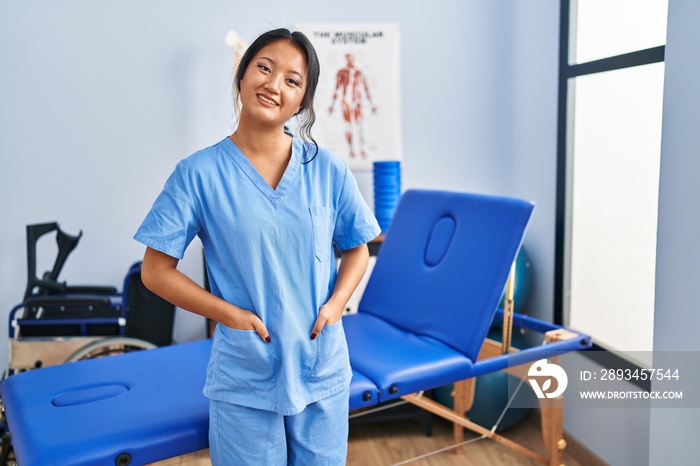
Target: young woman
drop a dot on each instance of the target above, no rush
(268, 208)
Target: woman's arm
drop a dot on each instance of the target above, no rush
(353, 264)
(160, 275)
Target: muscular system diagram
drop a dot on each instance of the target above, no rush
(352, 88)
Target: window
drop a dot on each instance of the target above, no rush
(610, 105)
(608, 28)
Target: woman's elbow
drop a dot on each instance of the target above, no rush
(154, 265)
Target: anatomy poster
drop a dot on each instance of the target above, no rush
(357, 102)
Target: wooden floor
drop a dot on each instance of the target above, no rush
(391, 443)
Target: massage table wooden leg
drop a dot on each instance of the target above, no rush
(463, 396)
(552, 419)
(552, 414)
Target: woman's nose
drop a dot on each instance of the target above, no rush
(273, 82)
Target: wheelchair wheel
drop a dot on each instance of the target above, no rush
(109, 347)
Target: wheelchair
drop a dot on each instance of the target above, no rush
(57, 323)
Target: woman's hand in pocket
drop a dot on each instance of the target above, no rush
(327, 315)
(241, 319)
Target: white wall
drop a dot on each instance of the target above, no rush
(674, 431)
(532, 111)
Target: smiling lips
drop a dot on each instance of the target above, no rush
(267, 100)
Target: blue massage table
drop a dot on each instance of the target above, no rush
(422, 323)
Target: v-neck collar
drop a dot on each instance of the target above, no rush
(275, 196)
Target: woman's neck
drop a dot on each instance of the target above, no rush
(263, 142)
(268, 152)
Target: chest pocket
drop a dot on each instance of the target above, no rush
(322, 222)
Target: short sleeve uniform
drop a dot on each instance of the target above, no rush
(268, 251)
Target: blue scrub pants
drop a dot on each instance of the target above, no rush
(317, 436)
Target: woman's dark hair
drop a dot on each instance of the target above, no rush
(306, 116)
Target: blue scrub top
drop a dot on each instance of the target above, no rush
(268, 251)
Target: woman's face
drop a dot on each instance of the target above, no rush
(273, 85)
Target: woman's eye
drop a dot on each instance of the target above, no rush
(264, 68)
(293, 82)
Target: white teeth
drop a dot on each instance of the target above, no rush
(265, 99)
